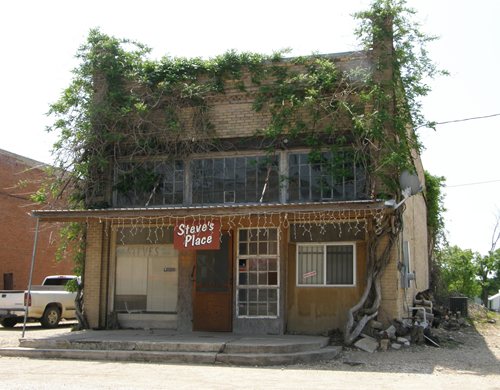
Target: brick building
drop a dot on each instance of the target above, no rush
(243, 239)
(17, 227)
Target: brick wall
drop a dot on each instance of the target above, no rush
(92, 278)
(397, 300)
(17, 227)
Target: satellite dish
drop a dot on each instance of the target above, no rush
(410, 183)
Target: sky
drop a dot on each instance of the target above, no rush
(39, 40)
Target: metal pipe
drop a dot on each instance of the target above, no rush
(31, 277)
(423, 311)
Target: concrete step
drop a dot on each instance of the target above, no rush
(275, 345)
(243, 345)
(243, 359)
(114, 345)
(112, 355)
(275, 359)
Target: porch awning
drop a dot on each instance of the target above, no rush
(361, 206)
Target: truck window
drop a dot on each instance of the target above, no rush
(56, 282)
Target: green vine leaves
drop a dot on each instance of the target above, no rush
(123, 105)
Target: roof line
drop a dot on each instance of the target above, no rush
(215, 210)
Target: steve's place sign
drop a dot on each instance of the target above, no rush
(197, 235)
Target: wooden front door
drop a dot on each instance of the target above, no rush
(212, 303)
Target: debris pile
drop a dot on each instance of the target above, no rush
(416, 329)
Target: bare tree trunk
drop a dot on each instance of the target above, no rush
(367, 307)
(79, 310)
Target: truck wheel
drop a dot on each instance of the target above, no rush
(9, 322)
(51, 317)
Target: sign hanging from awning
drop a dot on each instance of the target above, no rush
(197, 235)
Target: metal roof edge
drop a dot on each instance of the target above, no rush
(226, 209)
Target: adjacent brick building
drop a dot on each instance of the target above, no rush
(19, 178)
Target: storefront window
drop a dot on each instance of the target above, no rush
(326, 264)
(258, 273)
(146, 278)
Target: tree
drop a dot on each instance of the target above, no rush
(435, 211)
(458, 270)
(402, 67)
(488, 266)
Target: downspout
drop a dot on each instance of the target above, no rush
(26, 301)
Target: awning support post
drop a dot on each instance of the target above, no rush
(26, 301)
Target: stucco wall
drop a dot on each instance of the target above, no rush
(315, 310)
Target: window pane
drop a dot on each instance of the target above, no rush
(252, 295)
(235, 179)
(243, 234)
(262, 264)
(272, 309)
(293, 183)
(339, 264)
(243, 278)
(332, 176)
(310, 264)
(261, 269)
(254, 263)
(243, 309)
(304, 183)
(149, 183)
(262, 309)
(273, 264)
(252, 309)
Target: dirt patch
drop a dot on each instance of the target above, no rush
(9, 337)
(473, 349)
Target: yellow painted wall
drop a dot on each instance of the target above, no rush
(315, 310)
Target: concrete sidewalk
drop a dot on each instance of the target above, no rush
(170, 346)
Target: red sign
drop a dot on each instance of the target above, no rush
(197, 235)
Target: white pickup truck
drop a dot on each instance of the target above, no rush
(47, 303)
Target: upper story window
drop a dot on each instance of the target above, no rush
(326, 177)
(240, 179)
(151, 183)
(235, 180)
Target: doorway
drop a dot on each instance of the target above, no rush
(212, 288)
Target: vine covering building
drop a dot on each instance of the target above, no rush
(229, 203)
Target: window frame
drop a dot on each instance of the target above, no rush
(258, 286)
(178, 187)
(325, 245)
(358, 176)
(230, 196)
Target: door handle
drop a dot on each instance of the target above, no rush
(192, 273)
